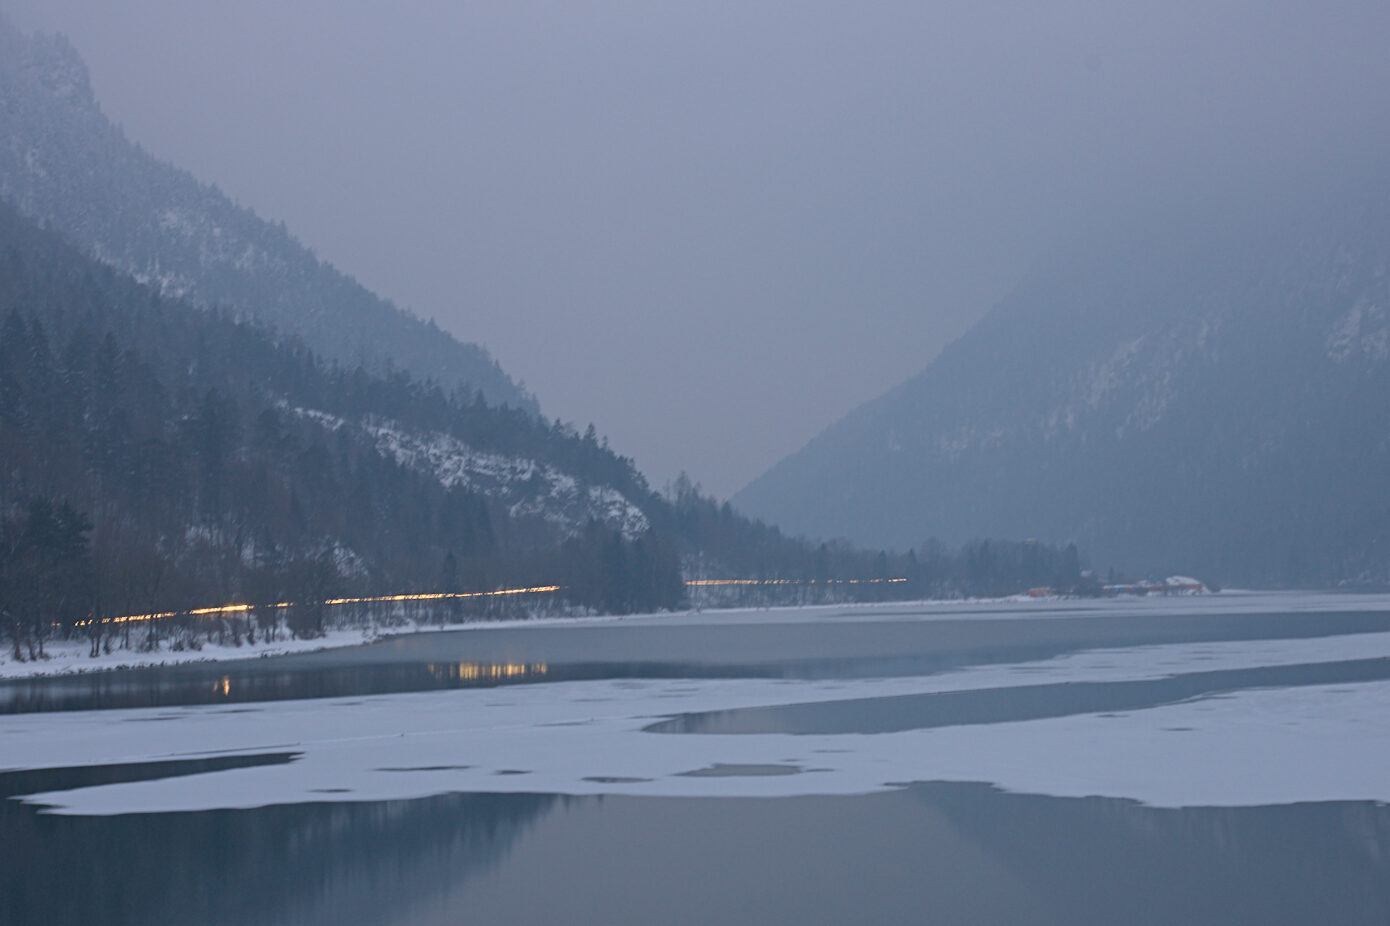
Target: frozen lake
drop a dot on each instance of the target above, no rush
(1216, 759)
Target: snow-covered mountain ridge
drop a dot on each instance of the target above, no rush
(1208, 397)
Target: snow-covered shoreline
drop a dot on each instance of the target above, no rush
(70, 657)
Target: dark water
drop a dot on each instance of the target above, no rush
(931, 853)
(270, 680)
(1020, 702)
(520, 655)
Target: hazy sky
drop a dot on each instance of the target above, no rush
(713, 227)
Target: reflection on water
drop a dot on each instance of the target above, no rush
(264, 680)
(257, 681)
(359, 681)
(479, 671)
(940, 853)
(310, 863)
(1102, 860)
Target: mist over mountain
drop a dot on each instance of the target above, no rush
(65, 164)
(157, 456)
(1203, 389)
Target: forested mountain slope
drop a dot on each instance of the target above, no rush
(212, 457)
(65, 164)
(155, 456)
(1203, 390)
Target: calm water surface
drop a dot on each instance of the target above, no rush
(931, 853)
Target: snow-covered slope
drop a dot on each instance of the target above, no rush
(529, 490)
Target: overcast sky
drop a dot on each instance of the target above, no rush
(711, 228)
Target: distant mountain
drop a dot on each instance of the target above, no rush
(65, 164)
(1205, 391)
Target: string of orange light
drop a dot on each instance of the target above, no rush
(230, 609)
(226, 609)
(706, 582)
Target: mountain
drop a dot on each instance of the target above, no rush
(194, 410)
(179, 456)
(1203, 389)
(156, 456)
(65, 164)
